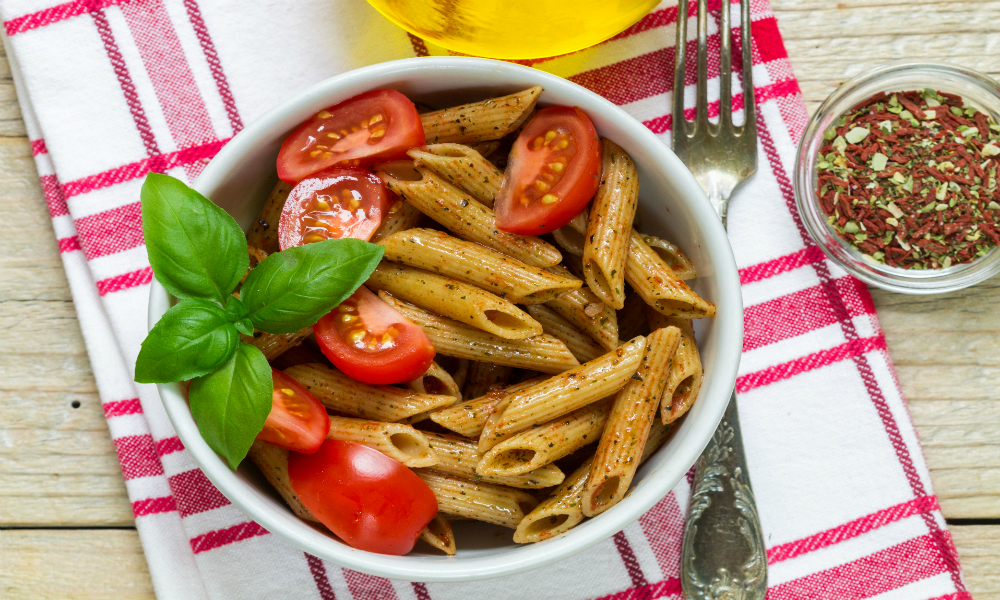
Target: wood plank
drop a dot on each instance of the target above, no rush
(82, 564)
(979, 551)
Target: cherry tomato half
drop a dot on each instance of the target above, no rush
(339, 202)
(375, 126)
(370, 341)
(297, 421)
(368, 499)
(553, 171)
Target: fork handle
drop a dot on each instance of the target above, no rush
(723, 555)
(720, 202)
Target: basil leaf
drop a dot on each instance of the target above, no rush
(195, 248)
(293, 288)
(191, 339)
(231, 404)
(236, 311)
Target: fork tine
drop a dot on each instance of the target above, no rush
(701, 101)
(679, 126)
(726, 68)
(749, 101)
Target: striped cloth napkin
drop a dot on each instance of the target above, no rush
(111, 89)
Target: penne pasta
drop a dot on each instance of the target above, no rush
(468, 418)
(686, 374)
(439, 534)
(478, 501)
(263, 234)
(401, 216)
(297, 355)
(486, 149)
(634, 410)
(341, 393)
(449, 337)
(612, 211)
(678, 262)
(465, 168)
(540, 446)
(399, 442)
(273, 464)
(586, 312)
(459, 457)
(480, 121)
(452, 299)
(583, 347)
(563, 509)
(570, 236)
(436, 381)
(565, 392)
(483, 377)
(460, 372)
(477, 265)
(272, 345)
(651, 277)
(468, 218)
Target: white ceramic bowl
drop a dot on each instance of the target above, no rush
(672, 205)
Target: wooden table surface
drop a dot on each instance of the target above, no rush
(62, 497)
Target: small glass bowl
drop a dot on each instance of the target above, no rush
(975, 89)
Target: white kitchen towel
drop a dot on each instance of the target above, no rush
(111, 89)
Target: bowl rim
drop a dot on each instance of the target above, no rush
(905, 281)
(729, 318)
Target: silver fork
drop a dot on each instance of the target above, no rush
(723, 554)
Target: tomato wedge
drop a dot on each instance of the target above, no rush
(370, 341)
(553, 171)
(368, 499)
(375, 126)
(297, 420)
(339, 202)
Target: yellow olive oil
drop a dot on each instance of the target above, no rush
(514, 29)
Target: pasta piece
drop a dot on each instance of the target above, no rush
(631, 318)
(459, 457)
(540, 446)
(263, 233)
(686, 374)
(586, 312)
(468, 218)
(257, 256)
(399, 442)
(583, 347)
(273, 464)
(272, 345)
(634, 410)
(605, 245)
(651, 277)
(570, 236)
(486, 149)
(381, 402)
(453, 299)
(449, 337)
(401, 216)
(465, 168)
(480, 121)
(460, 372)
(439, 534)
(468, 418)
(678, 262)
(478, 501)
(483, 377)
(474, 264)
(565, 392)
(299, 355)
(436, 381)
(563, 509)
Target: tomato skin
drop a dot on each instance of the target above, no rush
(328, 134)
(336, 203)
(297, 421)
(405, 357)
(536, 197)
(367, 499)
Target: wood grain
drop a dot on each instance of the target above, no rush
(58, 467)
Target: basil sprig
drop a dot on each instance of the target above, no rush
(199, 254)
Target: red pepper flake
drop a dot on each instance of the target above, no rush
(909, 179)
